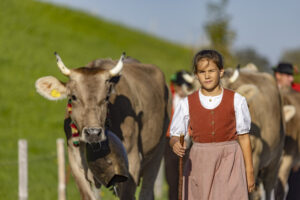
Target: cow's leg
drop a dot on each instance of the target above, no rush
(270, 176)
(80, 174)
(150, 167)
(127, 189)
(257, 147)
(171, 171)
(150, 171)
(283, 176)
(130, 134)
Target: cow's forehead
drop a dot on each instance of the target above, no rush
(88, 80)
(85, 74)
(88, 71)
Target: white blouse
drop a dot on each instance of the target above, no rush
(181, 115)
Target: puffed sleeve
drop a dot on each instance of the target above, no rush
(242, 115)
(181, 117)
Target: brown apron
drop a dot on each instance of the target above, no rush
(215, 171)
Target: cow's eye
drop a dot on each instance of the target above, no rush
(74, 98)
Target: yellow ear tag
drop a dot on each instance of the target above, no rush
(55, 93)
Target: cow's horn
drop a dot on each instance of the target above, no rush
(61, 65)
(117, 69)
(188, 78)
(234, 76)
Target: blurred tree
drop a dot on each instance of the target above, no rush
(218, 30)
(250, 55)
(293, 56)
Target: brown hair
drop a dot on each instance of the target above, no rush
(213, 55)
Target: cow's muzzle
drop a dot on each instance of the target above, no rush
(94, 134)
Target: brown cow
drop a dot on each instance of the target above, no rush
(131, 99)
(266, 134)
(291, 156)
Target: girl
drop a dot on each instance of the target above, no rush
(219, 167)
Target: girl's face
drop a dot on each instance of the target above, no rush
(208, 74)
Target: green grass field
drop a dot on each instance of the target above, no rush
(29, 34)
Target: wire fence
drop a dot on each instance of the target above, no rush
(59, 156)
(23, 167)
(31, 160)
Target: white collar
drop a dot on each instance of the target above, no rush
(217, 96)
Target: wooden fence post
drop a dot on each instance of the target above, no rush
(23, 169)
(61, 169)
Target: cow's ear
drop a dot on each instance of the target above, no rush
(51, 88)
(249, 91)
(289, 112)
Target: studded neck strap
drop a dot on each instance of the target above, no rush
(74, 129)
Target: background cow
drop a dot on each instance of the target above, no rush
(266, 134)
(131, 99)
(291, 156)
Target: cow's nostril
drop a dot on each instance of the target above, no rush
(93, 131)
(99, 132)
(86, 131)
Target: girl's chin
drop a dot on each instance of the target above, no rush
(208, 87)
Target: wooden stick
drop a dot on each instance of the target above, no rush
(180, 181)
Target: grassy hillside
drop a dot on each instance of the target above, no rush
(29, 34)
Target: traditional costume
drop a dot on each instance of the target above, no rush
(215, 169)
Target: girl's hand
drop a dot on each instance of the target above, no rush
(250, 181)
(178, 149)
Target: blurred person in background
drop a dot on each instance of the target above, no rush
(182, 84)
(284, 74)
